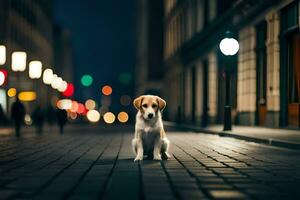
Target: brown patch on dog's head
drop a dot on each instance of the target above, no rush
(138, 102)
(145, 101)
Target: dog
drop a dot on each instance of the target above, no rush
(150, 138)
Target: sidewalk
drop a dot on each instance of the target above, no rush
(277, 137)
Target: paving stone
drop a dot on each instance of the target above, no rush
(227, 194)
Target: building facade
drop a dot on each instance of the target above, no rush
(149, 56)
(26, 26)
(264, 75)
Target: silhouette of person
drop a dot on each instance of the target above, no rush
(17, 115)
(3, 118)
(61, 119)
(50, 115)
(38, 118)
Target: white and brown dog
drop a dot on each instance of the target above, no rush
(150, 138)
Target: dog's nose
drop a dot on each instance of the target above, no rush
(150, 115)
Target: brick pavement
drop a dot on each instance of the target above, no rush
(92, 163)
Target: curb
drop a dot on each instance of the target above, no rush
(269, 141)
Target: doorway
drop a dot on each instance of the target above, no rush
(261, 73)
(293, 79)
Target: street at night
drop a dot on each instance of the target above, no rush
(149, 99)
(89, 162)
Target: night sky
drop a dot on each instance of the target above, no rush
(103, 39)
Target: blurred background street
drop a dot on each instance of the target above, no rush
(229, 71)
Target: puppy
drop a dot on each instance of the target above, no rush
(150, 138)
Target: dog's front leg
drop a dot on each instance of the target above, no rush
(137, 145)
(157, 149)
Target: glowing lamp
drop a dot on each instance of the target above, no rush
(27, 96)
(125, 100)
(69, 91)
(64, 104)
(86, 80)
(109, 117)
(75, 106)
(2, 54)
(11, 92)
(90, 104)
(93, 115)
(123, 117)
(35, 69)
(3, 74)
(63, 86)
(18, 61)
(48, 76)
(81, 108)
(56, 82)
(107, 90)
(229, 46)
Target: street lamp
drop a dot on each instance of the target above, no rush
(35, 69)
(2, 54)
(48, 76)
(18, 61)
(229, 47)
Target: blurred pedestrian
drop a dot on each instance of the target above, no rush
(38, 118)
(50, 115)
(3, 118)
(62, 118)
(17, 115)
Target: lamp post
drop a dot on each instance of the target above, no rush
(229, 47)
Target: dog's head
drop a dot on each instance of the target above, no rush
(149, 105)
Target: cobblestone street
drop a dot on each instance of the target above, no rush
(97, 163)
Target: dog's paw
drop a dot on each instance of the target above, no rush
(137, 158)
(157, 157)
(166, 156)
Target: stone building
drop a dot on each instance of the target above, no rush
(265, 73)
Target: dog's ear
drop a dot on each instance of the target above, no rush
(137, 102)
(161, 103)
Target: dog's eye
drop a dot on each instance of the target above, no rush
(154, 106)
(145, 105)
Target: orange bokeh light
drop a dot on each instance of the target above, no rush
(107, 90)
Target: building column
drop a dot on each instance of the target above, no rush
(212, 88)
(199, 92)
(273, 67)
(246, 88)
(187, 95)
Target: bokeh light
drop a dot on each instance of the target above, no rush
(106, 90)
(105, 101)
(123, 117)
(11, 92)
(125, 78)
(74, 107)
(86, 80)
(93, 115)
(27, 96)
(125, 100)
(2, 78)
(81, 108)
(69, 91)
(90, 104)
(109, 117)
(27, 119)
(64, 104)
